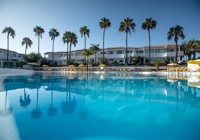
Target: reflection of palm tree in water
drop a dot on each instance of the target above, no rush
(103, 119)
(6, 111)
(36, 113)
(52, 111)
(24, 102)
(126, 94)
(69, 105)
(178, 113)
(83, 111)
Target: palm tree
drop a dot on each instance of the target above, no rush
(85, 32)
(95, 49)
(198, 44)
(53, 33)
(127, 26)
(149, 24)
(38, 32)
(66, 39)
(175, 33)
(27, 42)
(190, 47)
(87, 53)
(73, 41)
(10, 32)
(104, 24)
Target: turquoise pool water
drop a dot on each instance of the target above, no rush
(109, 106)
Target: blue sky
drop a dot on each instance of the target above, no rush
(70, 15)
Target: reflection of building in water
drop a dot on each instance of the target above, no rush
(194, 81)
(154, 88)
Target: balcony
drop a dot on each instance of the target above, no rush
(172, 54)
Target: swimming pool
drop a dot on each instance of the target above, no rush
(98, 106)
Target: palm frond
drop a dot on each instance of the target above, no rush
(9, 31)
(53, 33)
(104, 23)
(127, 25)
(38, 31)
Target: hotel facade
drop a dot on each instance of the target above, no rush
(12, 56)
(117, 54)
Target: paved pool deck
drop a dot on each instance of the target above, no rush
(13, 72)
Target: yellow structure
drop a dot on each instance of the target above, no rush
(194, 65)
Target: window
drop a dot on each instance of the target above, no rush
(119, 52)
(110, 52)
(170, 50)
(140, 51)
(78, 54)
(102, 52)
(147, 51)
(159, 50)
(129, 51)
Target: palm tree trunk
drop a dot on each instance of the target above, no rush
(38, 45)
(149, 47)
(95, 58)
(176, 51)
(85, 41)
(25, 51)
(87, 62)
(103, 42)
(85, 46)
(67, 53)
(194, 55)
(189, 56)
(126, 57)
(52, 52)
(70, 52)
(7, 46)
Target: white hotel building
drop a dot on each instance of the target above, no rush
(117, 54)
(12, 56)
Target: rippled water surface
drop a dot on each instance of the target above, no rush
(108, 106)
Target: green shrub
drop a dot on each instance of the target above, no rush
(20, 63)
(43, 61)
(33, 57)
